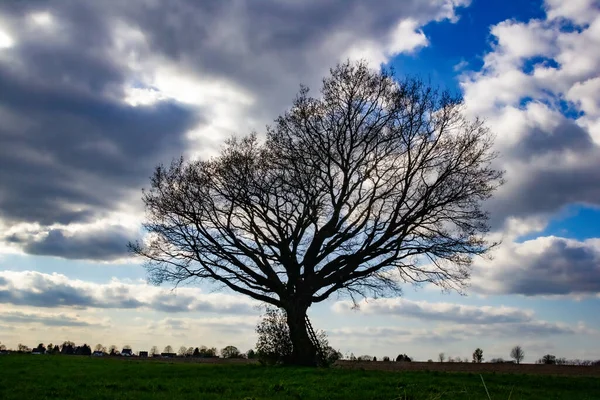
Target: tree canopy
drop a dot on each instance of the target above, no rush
(374, 183)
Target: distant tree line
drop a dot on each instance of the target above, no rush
(272, 347)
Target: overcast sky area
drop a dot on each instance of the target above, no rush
(95, 94)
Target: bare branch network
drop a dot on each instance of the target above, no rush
(374, 183)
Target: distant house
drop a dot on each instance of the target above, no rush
(98, 354)
(168, 355)
(127, 352)
(143, 354)
(3, 352)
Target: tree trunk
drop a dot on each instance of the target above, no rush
(303, 352)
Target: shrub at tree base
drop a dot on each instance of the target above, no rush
(275, 346)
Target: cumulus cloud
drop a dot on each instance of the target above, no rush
(537, 91)
(36, 289)
(95, 94)
(542, 266)
(457, 313)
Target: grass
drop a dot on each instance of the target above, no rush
(64, 377)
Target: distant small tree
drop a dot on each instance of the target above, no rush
(208, 352)
(386, 359)
(154, 351)
(403, 358)
(50, 348)
(21, 348)
(517, 354)
(374, 358)
(84, 350)
(2, 347)
(40, 348)
(196, 352)
(182, 351)
(67, 347)
(251, 354)
(478, 356)
(168, 349)
(353, 357)
(548, 359)
(230, 352)
(365, 358)
(441, 357)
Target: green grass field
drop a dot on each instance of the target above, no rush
(64, 377)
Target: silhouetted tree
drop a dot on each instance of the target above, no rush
(365, 357)
(154, 351)
(386, 359)
(168, 349)
(196, 352)
(99, 347)
(517, 354)
(547, 359)
(182, 351)
(230, 352)
(367, 181)
(112, 350)
(250, 354)
(21, 348)
(40, 348)
(404, 358)
(67, 347)
(441, 357)
(84, 350)
(478, 355)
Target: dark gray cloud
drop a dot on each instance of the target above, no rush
(545, 182)
(107, 244)
(17, 317)
(72, 150)
(51, 291)
(547, 266)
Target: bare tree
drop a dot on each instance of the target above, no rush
(154, 351)
(168, 349)
(441, 357)
(376, 183)
(517, 354)
(182, 351)
(99, 347)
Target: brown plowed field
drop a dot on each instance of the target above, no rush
(564, 370)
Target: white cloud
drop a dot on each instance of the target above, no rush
(456, 313)
(537, 91)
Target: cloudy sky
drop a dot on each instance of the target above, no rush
(94, 94)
